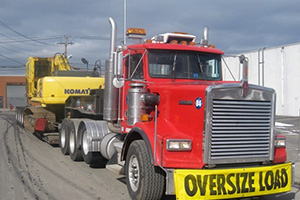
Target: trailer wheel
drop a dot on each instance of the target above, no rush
(74, 147)
(144, 180)
(88, 157)
(19, 115)
(64, 137)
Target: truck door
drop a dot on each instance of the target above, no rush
(133, 72)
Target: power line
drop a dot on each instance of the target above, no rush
(12, 59)
(13, 30)
(14, 50)
(5, 67)
(27, 40)
(92, 37)
(18, 47)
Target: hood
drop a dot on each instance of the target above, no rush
(182, 105)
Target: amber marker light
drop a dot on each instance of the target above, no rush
(145, 118)
(136, 31)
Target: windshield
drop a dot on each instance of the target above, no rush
(184, 65)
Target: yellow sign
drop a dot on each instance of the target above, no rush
(232, 183)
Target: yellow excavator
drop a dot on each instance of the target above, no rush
(50, 81)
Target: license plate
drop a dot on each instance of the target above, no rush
(232, 183)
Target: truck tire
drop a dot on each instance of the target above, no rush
(144, 180)
(19, 115)
(74, 146)
(88, 157)
(64, 137)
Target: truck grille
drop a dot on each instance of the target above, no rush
(238, 130)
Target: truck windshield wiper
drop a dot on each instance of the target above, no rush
(199, 64)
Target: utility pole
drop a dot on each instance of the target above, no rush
(66, 43)
(125, 21)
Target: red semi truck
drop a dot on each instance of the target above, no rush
(174, 126)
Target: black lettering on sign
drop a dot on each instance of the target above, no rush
(238, 183)
(269, 180)
(221, 184)
(261, 187)
(244, 188)
(251, 182)
(235, 183)
(190, 179)
(212, 184)
(202, 184)
(277, 180)
(284, 178)
(230, 183)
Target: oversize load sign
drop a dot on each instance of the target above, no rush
(232, 183)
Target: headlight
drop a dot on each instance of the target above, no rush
(279, 141)
(179, 145)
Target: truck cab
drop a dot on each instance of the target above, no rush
(194, 120)
(166, 116)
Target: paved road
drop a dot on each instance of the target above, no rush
(32, 169)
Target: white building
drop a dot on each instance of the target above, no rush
(278, 68)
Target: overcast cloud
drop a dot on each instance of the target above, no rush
(235, 25)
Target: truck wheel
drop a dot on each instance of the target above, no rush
(17, 114)
(88, 157)
(74, 148)
(64, 137)
(144, 180)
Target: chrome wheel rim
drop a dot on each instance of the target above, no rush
(85, 147)
(72, 141)
(63, 137)
(134, 173)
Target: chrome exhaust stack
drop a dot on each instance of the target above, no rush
(244, 63)
(204, 41)
(110, 110)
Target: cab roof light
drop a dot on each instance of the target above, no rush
(169, 37)
(136, 31)
(183, 33)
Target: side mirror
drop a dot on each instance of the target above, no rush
(118, 69)
(118, 63)
(118, 83)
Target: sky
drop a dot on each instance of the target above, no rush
(38, 27)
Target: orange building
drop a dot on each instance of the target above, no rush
(12, 91)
